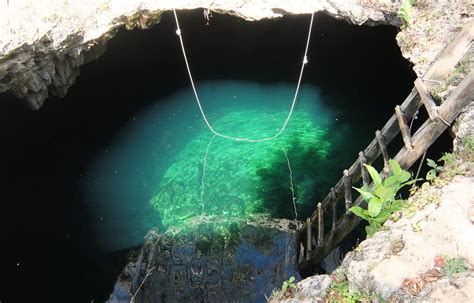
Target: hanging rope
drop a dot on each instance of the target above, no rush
(293, 103)
(204, 162)
(293, 197)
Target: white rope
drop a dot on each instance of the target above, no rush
(204, 162)
(293, 198)
(293, 103)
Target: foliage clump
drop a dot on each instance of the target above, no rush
(382, 198)
(453, 266)
(405, 11)
(339, 292)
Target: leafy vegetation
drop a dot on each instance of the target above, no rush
(339, 292)
(286, 291)
(405, 11)
(382, 198)
(453, 266)
(288, 284)
(435, 169)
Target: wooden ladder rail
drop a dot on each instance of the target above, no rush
(438, 72)
(422, 140)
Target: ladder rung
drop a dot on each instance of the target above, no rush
(320, 225)
(334, 204)
(405, 130)
(383, 147)
(363, 169)
(309, 239)
(347, 189)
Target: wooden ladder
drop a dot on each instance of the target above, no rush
(440, 118)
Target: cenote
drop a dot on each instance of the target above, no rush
(126, 150)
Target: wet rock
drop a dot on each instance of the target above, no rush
(214, 261)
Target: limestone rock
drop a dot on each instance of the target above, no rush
(311, 290)
(211, 262)
(381, 263)
(43, 43)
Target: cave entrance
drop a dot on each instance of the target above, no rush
(108, 148)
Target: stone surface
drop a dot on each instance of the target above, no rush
(408, 247)
(311, 289)
(432, 26)
(44, 42)
(464, 126)
(238, 261)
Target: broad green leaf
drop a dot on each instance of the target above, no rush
(366, 195)
(374, 208)
(395, 206)
(430, 175)
(360, 212)
(390, 181)
(383, 216)
(394, 166)
(371, 230)
(374, 175)
(431, 163)
(292, 279)
(404, 176)
(385, 193)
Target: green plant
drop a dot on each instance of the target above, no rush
(288, 284)
(468, 144)
(435, 169)
(405, 11)
(339, 292)
(381, 199)
(453, 266)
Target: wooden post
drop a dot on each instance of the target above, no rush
(309, 241)
(425, 96)
(320, 225)
(363, 169)
(430, 105)
(383, 147)
(334, 204)
(452, 54)
(347, 189)
(405, 130)
(430, 131)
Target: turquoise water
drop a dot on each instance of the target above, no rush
(166, 169)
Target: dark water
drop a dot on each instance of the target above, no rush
(79, 177)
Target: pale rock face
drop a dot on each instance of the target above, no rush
(310, 290)
(380, 265)
(43, 43)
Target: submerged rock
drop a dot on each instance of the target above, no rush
(213, 260)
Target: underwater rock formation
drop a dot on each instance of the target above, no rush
(236, 179)
(212, 259)
(44, 43)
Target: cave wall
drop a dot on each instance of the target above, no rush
(41, 50)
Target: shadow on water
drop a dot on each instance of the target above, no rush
(313, 174)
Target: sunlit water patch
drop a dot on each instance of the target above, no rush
(166, 168)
